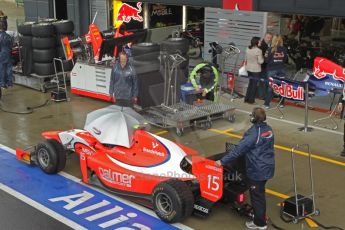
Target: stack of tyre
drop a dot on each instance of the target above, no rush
(177, 46)
(43, 47)
(63, 28)
(40, 44)
(145, 60)
(25, 42)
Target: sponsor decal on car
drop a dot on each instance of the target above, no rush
(154, 152)
(122, 179)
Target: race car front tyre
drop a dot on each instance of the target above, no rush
(173, 201)
(51, 157)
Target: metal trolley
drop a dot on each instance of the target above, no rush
(182, 115)
(299, 207)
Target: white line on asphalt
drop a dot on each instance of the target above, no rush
(40, 207)
(297, 124)
(129, 203)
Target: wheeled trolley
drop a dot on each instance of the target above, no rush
(183, 115)
(299, 207)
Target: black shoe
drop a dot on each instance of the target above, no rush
(342, 153)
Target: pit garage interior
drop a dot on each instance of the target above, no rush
(19, 211)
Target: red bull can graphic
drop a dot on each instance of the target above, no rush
(287, 90)
(127, 13)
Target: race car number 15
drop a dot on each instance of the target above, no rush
(213, 182)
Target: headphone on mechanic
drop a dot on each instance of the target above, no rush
(258, 115)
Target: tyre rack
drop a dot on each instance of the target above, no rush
(182, 115)
(34, 81)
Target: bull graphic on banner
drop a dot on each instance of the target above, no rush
(327, 76)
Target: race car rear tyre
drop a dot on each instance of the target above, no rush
(43, 56)
(144, 48)
(173, 201)
(51, 157)
(43, 43)
(25, 41)
(25, 28)
(43, 69)
(43, 29)
(152, 56)
(64, 26)
(174, 45)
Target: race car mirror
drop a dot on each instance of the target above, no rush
(209, 176)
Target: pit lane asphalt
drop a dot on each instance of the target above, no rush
(24, 130)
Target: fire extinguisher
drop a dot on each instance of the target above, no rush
(231, 81)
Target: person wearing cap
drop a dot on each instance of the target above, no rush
(5, 55)
(257, 145)
(204, 77)
(123, 87)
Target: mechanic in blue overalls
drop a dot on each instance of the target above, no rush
(123, 87)
(257, 145)
(5, 56)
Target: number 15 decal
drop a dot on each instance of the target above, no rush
(209, 176)
(213, 182)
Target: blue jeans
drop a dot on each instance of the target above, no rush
(269, 92)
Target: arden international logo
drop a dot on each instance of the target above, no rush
(157, 153)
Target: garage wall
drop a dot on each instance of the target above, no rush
(102, 8)
(35, 9)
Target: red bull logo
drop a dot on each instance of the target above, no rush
(286, 90)
(324, 67)
(127, 13)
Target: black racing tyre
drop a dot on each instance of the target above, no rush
(43, 56)
(43, 30)
(43, 43)
(25, 28)
(48, 20)
(145, 66)
(64, 27)
(51, 157)
(60, 53)
(173, 201)
(144, 48)
(25, 41)
(173, 45)
(153, 56)
(67, 65)
(44, 68)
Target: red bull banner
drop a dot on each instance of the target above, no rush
(289, 90)
(324, 67)
(123, 12)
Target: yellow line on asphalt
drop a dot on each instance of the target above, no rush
(225, 132)
(161, 132)
(278, 194)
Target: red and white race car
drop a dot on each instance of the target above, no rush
(168, 177)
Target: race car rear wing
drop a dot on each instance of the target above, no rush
(209, 176)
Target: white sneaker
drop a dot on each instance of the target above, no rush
(281, 106)
(251, 225)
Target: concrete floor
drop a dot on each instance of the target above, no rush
(329, 167)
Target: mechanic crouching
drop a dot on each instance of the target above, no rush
(257, 145)
(123, 83)
(206, 81)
